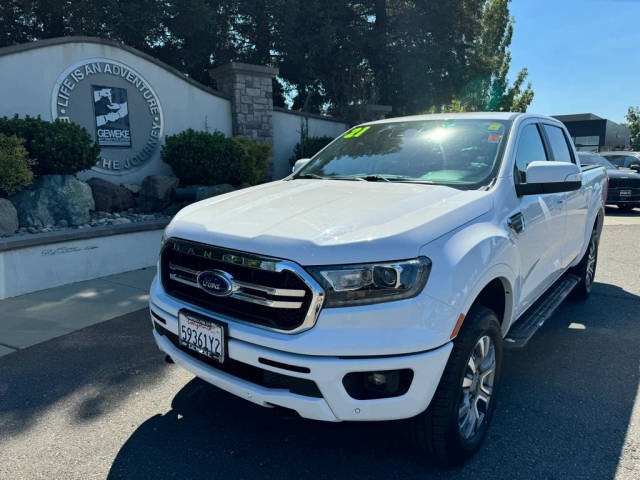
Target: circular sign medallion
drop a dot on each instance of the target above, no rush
(116, 105)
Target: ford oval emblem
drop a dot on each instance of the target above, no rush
(216, 282)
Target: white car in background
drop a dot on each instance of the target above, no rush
(383, 279)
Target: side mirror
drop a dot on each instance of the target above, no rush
(635, 166)
(299, 164)
(550, 177)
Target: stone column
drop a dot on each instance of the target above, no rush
(251, 93)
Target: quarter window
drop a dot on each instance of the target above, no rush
(558, 143)
(530, 149)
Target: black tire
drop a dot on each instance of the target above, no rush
(583, 289)
(437, 431)
(626, 208)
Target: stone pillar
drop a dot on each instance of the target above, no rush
(251, 93)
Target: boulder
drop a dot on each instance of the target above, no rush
(110, 197)
(186, 194)
(174, 208)
(52, 198)
(8, 217)
(132, 187)
(156, 193)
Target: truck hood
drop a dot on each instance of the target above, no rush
(320, 222)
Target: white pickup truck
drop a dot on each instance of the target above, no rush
(383, 278)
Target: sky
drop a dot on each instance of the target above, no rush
(583, 56)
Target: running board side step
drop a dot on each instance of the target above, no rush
(526, 326)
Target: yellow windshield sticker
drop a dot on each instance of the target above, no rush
(356, 132)
(494, 127)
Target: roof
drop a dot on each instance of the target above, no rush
(456, 116)
(620, 152)
(577, 117)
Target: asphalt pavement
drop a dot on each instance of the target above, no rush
(101, 403)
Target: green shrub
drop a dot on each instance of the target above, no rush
(308, 147)
(58, 147)
(15, 165)
(252, 164)
(202, 158)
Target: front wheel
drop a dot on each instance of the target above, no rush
(455, 424)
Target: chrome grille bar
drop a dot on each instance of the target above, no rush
(240, 294)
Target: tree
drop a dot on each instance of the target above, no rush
(487, 87)
(633, 119)
(414, 55)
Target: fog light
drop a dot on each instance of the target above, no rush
(383, 384)
(377, 379)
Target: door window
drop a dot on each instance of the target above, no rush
(530, 149)
(558, 142)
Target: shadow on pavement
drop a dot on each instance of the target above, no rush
(564, 411)
(100, 365)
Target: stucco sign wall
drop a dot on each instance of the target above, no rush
(116, 105)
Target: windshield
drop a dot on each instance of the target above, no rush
(464, 153)
(591, 159)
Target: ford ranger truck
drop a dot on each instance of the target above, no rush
(383, 279)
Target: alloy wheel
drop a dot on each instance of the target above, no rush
(477, 387)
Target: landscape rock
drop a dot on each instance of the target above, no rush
(120, 221)
(132, 187)
(110, 197)
(52, 198)
(156, 193)
(212, 191)
(8, 217)
(174, 208)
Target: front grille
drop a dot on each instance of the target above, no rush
(255, 375)
(268, 292)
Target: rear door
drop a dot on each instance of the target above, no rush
(576, 202)
(539, 242)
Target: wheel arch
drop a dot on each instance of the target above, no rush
(497, 295)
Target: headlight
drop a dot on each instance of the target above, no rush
(362, 284)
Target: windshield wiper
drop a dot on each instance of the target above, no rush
(320, 177)
(310, 175)
(373, 178)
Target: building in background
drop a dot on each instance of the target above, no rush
(591, 133)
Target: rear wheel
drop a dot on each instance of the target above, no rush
(454, 426)
(586, 269)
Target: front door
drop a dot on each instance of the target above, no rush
(540, 241)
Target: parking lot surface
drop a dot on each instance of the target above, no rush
(101, 402)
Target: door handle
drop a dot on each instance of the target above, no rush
(516, 222)
(560, 201)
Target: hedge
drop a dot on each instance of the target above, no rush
(58, 147)
(203, 158)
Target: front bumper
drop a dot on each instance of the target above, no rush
(327, 372)
(408, 334)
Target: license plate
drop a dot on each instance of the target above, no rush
(625, 193)
(203, 335)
